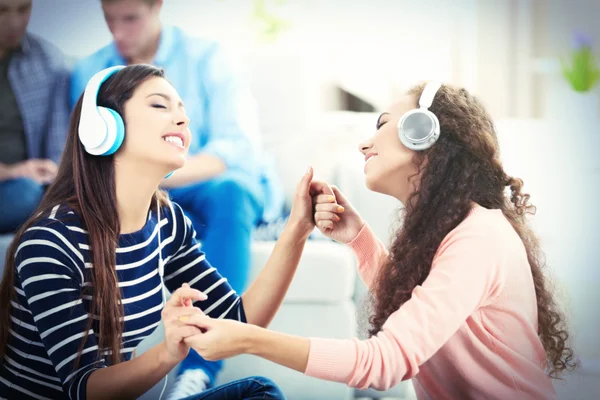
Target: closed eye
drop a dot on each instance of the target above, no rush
(380, 124)
(158, 106)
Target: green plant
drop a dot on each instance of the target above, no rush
(581, 68)
(271, 23)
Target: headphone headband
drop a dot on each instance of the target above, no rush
(429, 93)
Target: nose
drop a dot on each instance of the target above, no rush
(119, 34)
(364, 147)
(182, 119)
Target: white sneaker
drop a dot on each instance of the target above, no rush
(189, 383)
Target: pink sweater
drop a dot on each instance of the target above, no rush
(469, 332)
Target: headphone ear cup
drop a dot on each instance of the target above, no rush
(119, 135)
(418, 129)
(115, 131)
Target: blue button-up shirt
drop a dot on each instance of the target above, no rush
(39, 78)
(223, 117)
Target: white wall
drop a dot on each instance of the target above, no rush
(367, 46)
(369, 35)
(376, 49)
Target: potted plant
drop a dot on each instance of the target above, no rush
(582, 73)
(581, 69)
(270, 22)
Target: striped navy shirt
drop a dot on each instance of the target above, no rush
(51, 312)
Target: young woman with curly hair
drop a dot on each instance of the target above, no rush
(460, 301)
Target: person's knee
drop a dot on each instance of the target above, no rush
(268, 387)
(229, 188)
(262, 380)
(232, 199)
(19, 198)
(31, 193)
(26, 193)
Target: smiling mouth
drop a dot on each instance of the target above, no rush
(370, 158)
(176, 140)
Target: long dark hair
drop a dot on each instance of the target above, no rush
(87, 184)
(463, 167)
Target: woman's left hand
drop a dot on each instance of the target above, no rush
(220, 338)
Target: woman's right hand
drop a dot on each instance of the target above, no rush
(178, 309)
(335, 217)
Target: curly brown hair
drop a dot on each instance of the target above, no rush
(463, 167)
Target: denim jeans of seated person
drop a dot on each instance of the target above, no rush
(18, 200)
(252, 388)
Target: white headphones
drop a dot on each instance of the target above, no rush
(419, 129)
(101, 129)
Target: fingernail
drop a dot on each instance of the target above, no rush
(183, 319)
(340, 209)
(331, 199)
(308, 169)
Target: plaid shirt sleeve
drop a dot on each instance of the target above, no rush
(39, 77)
(58, 118)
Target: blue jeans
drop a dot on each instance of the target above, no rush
(19, 198)
(252, 388)
(223, 212)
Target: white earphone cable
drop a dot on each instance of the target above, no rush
(161, 273)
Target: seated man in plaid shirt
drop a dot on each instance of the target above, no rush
(33, 114)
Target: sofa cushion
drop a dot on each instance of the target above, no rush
(326, 273)
(307, 320)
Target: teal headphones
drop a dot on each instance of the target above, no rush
(101, 129)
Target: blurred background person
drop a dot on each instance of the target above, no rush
(33, 114)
